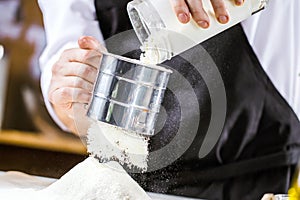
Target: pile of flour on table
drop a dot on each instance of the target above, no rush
(89, 180)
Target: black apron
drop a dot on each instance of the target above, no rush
(259, 145)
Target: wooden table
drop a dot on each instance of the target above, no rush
(52, 142)
(42, 154)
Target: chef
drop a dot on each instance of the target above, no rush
(259, 64)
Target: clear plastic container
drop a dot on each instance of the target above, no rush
(156, 19)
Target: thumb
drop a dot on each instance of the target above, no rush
(91, 43)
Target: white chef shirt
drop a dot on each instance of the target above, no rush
(64, 22)
(273, 34)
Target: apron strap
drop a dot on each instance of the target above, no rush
(240, 168)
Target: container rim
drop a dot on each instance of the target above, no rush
(138, 62)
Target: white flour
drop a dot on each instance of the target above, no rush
(156, 48)
(108, 142)
(88, 180)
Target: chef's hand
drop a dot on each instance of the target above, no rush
(185, 9)
(73, 76)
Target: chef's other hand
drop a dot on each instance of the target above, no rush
(73, 76)
(185, 9)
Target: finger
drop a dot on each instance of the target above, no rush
(91, 43)
(89, 57)
(198, 13)
(81, 70)
(220, 11)
(71, 81)
(268, 197)
(239, 2)
(181, 10)
(66, 96)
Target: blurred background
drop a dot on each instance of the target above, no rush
(29, 139)
(23, 39)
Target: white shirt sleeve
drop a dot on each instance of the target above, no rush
(274, 35)
(64, 22)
